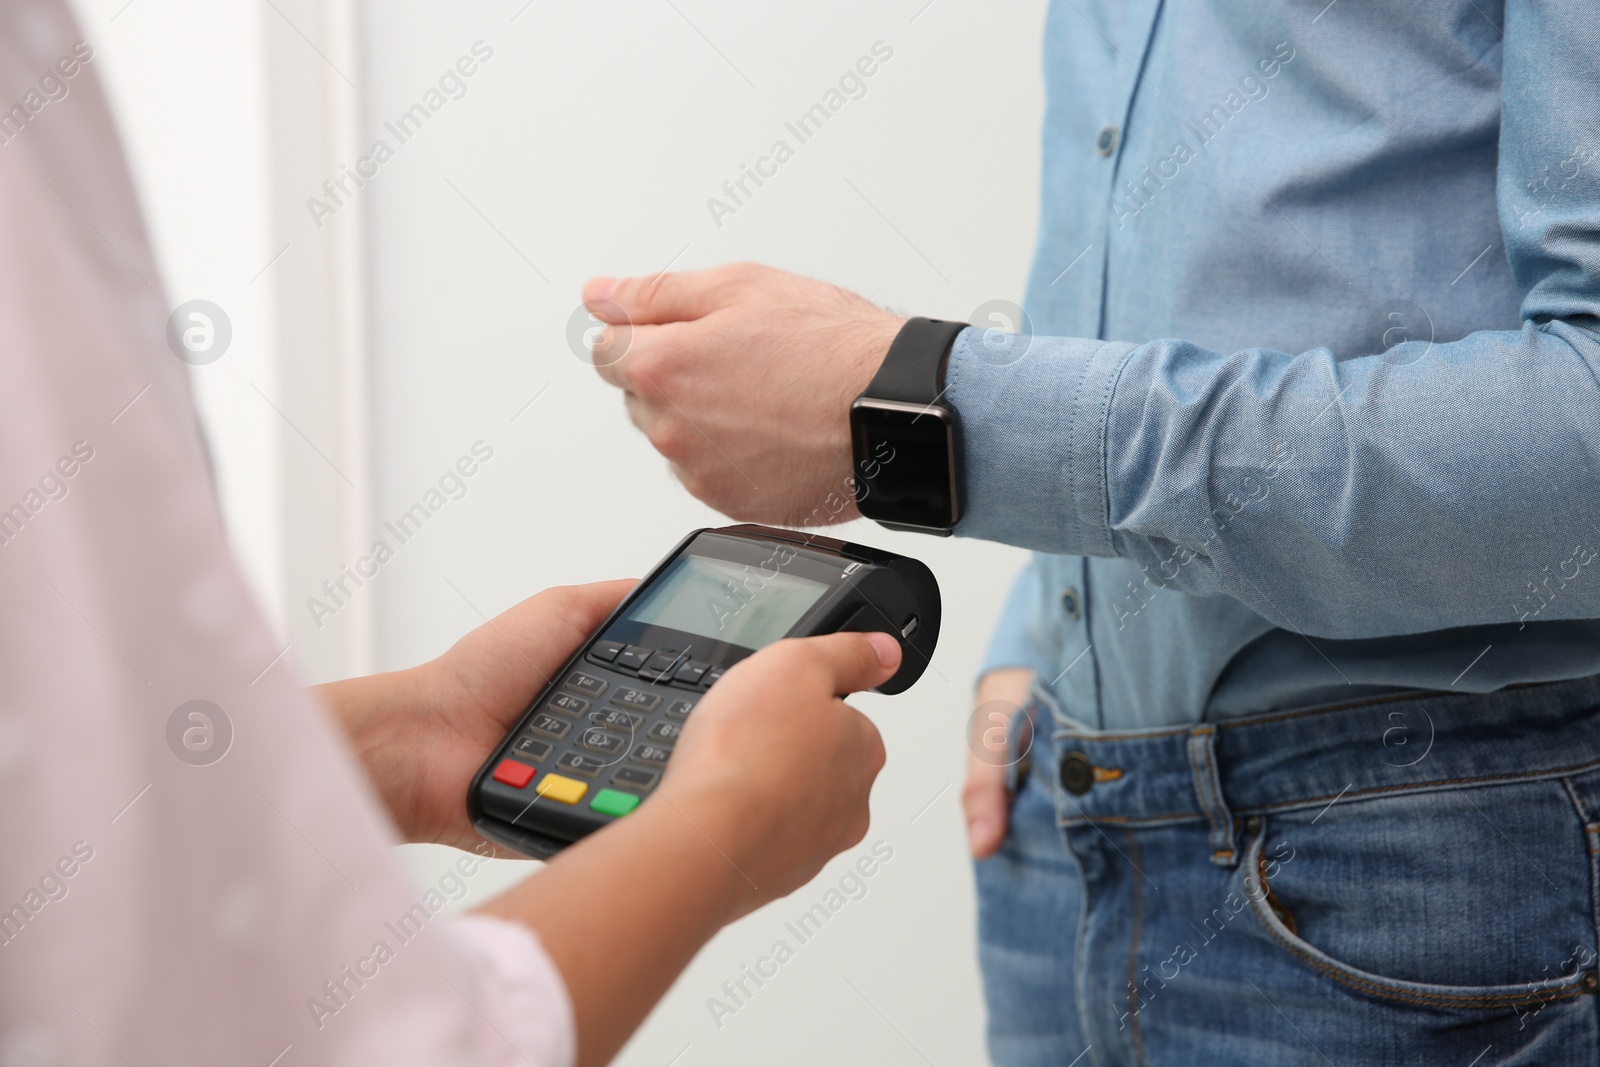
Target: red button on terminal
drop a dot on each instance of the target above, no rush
(516, 775)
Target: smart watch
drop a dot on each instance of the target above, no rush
(906, 443)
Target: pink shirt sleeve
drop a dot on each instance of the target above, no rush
(522, 992)
(193, 868)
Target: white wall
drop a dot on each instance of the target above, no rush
(188, 89)
(591, 142)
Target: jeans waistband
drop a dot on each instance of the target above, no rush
(1315, 756)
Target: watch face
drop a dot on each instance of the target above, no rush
(905, 463)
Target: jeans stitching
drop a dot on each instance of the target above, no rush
(1202, 781)
(1132, 820)
(1283, 805)
(1377, 989)
(1508, 778)
(1246, 721)
(1577, 803)
(1221, 817)
(1591, 836)
(1135, 1035)
(1487, 1000)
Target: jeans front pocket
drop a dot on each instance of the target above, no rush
(1475, 900)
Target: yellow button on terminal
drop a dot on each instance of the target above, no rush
(562, 790)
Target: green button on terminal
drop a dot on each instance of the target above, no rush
(614, 802)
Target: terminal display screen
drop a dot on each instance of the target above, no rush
(733, 602)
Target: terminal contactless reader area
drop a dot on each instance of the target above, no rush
(594, 744)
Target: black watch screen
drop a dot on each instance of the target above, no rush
(907, 464)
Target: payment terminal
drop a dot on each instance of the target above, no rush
(594, 743)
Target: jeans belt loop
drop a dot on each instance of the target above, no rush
(1208, 787)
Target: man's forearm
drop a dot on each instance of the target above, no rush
(1298, 481)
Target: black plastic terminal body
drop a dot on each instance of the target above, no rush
(610, 716)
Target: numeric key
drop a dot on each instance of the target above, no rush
(587, 684)
(635, 699)
(567, 704)
(654, 755)
(616, 719)
(602, 742)
(578, 763)
(550, 726)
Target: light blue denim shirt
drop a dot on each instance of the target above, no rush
(1309, 409)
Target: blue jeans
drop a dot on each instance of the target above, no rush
(1396, 881)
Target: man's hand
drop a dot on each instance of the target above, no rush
(987, 804)
(421, 733)
(742, 377)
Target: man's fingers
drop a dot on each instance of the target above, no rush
(987, 806)
(640, 413)
(655, 298)
(1001, 694)
(609, 351)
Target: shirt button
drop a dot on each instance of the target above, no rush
(1106, 142)
(1072, 604)
(1077, 773)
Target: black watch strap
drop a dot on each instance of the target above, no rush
(913, 370)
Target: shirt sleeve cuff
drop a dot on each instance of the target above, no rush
(1012, 644)
(1033, 414)
(520, 991)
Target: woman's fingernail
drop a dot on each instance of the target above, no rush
(887, 648)
(599, 288)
